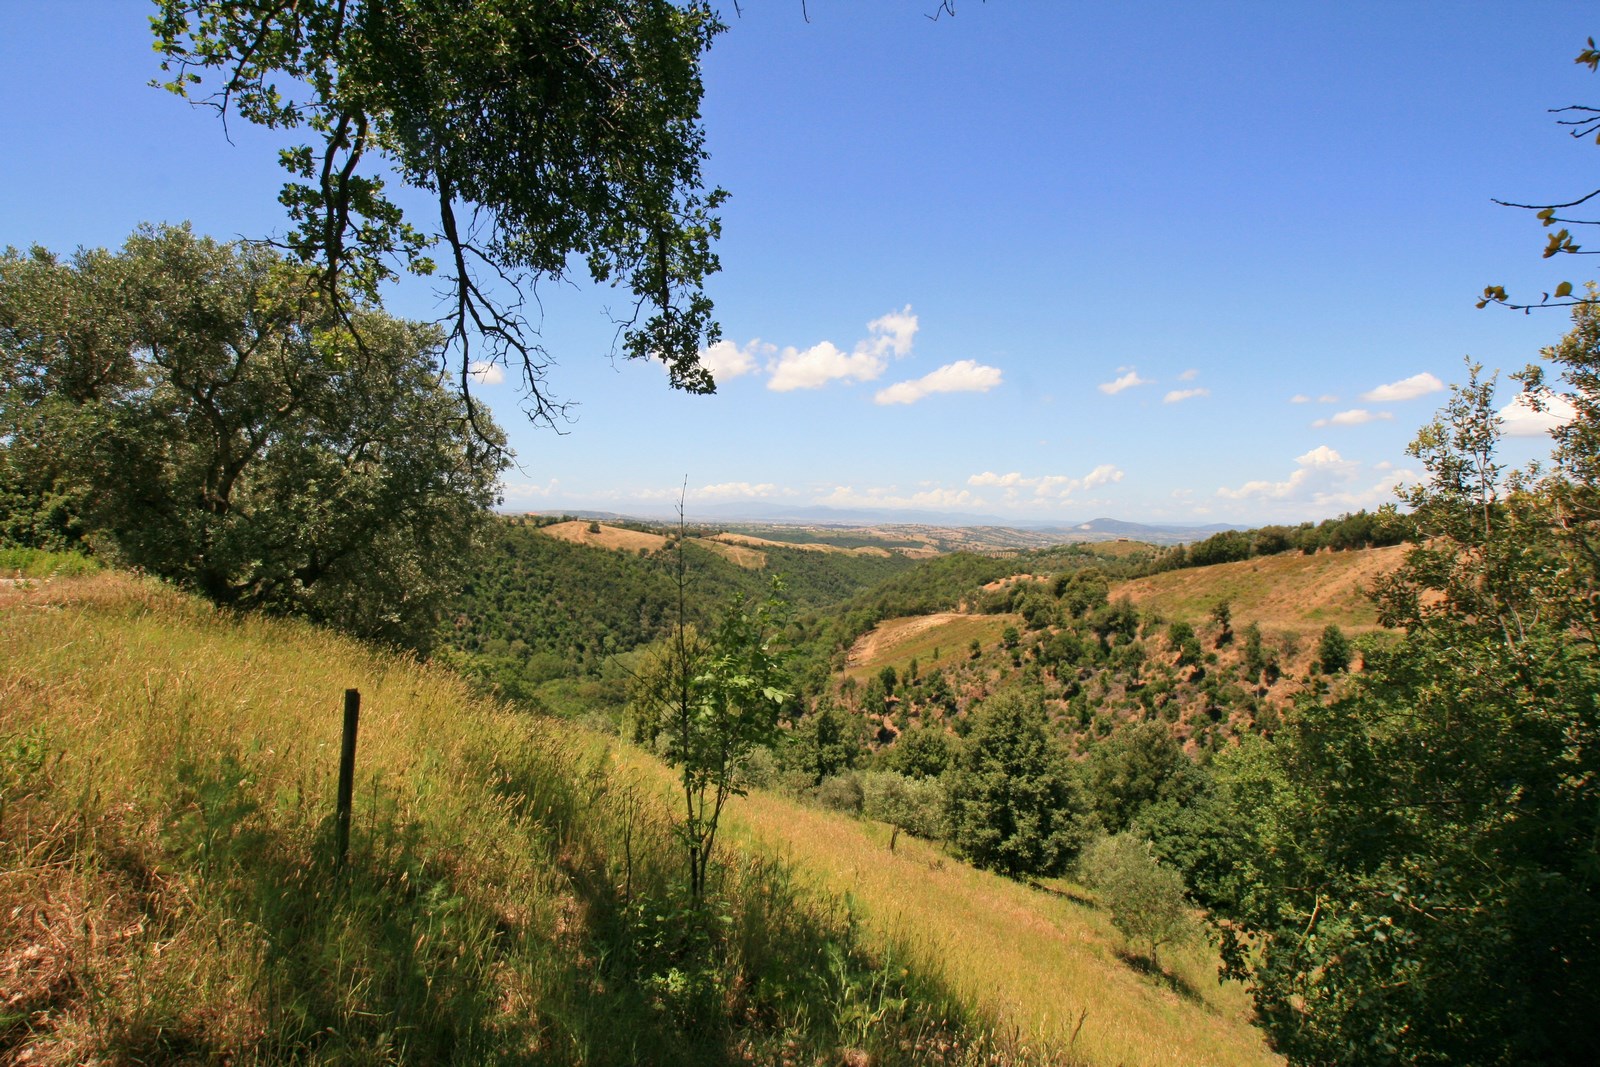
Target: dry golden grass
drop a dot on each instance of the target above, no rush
(741, 555)
(1033, 958)
(612, 537)
(620, 539)
(932, 640)
(1290, 592)
(804, 546)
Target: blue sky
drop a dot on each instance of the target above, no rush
(1165, 262)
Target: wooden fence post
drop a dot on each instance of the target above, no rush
(347, 773)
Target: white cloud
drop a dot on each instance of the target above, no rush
(893, 331)
(1001, 480)
(1125, 381)
(1353, 417)
(526, 492)
(1324, 480)
(1176, 395)
(1327, 398)
(1405, 389)
(811, 368)
(962, 376)
(726, 360)
(1299, 398)
(1189, 375)
(1057, 486)
(1321, 465)
(1519, 419)
(487, 373)
(1102, 475)
(736, 491)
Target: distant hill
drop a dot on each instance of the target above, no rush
(906, 531)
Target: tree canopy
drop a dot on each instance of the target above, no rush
(199, 410)
(1417, 872)
(544, 133)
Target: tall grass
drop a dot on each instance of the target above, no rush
(1042, 960)
(168, 891)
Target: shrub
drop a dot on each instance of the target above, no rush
(842, 792)
(915, 805)
(1146, 900)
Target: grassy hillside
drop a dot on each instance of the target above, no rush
(1042, 959)
(1289, 591)
(935, 641)
(169, 895)
(1108, 667)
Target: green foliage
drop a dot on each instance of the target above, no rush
(915, 805)
(1361, 529)
(921, 752)
(1222, 614)
(826, 742)
(889, 679)
(1255, 658)
(208, 415)
(39, 563)
(1333, 650)
(842, 792)
(1145, 897)
(535, 609)
(710, 702)
(1417, 865)
(543, 137)
(1182, 640)
(1140, 769)
(1013, 804)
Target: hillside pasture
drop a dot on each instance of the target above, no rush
(1291, 592)
(806, 546)
(619, 538)
(932, 640)
(1041, 958)
(171, 893)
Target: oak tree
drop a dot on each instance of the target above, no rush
(548, 138)
(197, 410)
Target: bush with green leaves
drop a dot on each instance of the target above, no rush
(1333, 650)
(915, 805)
(1145, 897)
